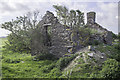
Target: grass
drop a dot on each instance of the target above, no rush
(2, 41)
(16, 65)
(22, 65)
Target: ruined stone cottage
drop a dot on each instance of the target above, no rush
(56, 37)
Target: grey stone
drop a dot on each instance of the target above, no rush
(91, 54)
(108, 38)
(60, 41)
(58, 38)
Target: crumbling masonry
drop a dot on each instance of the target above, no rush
(59, 41)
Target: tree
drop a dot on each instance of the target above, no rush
(62, 13)
(80, 18)
(21, 31)
(72, 18)
(119, 37)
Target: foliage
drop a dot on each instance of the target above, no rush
(80, 36)
(81, 71)
(63, 62)
(93, 31)
(117, 46)
(23, 65)
(15, 65)
(119, 36)
(2, 42)
(17, 44)
(55, 73)
(62, 13)
(110, 51)
(44, 65)
(38, 42)
(25, 34)
(114, 36)
(110, 69)
(72, 18)
(94, 42)
(46, 56)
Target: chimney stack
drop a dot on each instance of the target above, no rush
(91, 17)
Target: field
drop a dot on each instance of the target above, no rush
(23, 65)
(1, 44)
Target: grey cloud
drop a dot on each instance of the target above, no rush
(108, 19)
(5, 7)
(21, 7)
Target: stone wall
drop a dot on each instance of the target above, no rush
(56, 39)
(59, 36)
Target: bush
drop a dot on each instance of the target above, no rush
(55, 73)
(94, 42)
(110, 69)
(17, 44)
(48, 68)
(63, 62)
(110, 51)
(117, 46)
(46, 56)
(80, 37)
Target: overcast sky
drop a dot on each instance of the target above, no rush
(106, 11)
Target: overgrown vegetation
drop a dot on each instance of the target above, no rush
(17, 61)
(110, 51)
(16, 65)
(71, 18)
(63, 62)
(80, 37)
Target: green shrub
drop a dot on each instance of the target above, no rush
(94, 42)
(110, 51)
(94, 31)
(117, 46)
(55, 73)
(47, 68)
(80, 36)
(63, 62)
(46, 56)
(80, 60)
(82, 71)
(110, 69)
(95, 71)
